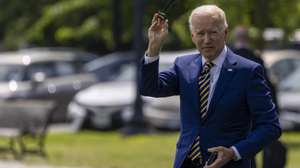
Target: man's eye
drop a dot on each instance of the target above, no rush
(213, 32)
(200, 33)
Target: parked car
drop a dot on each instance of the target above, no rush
(281, 63)
(107, 68)
(80, 55)
(109, 104)
(162, 113)
(43, 75)
(289, 101)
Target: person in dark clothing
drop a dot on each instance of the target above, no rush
(241, 46)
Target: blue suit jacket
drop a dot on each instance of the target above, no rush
(241, 112)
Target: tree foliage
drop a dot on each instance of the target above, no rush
(88, 24)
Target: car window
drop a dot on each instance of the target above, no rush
(78, 66)
(116, 69)
(47, 69)
(112, 71)
(296, 63)
(284, 68)
(64, 68)
(291, 83)
(11, 72)
(125, 72)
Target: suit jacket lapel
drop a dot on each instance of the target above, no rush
(227, 72)
(196, 67)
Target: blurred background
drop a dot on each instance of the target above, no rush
(68, 68)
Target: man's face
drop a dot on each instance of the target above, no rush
(208, 35)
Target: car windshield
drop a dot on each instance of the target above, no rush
(11, 72)
(291, 83)
(126, 72)
(284, 67)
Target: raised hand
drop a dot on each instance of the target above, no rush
(157, 34)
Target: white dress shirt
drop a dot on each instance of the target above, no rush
(215, 71)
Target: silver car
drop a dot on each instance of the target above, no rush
(280, 63)
(44, 75)
(289, 101)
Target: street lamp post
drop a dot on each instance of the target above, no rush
(117, 23)
(137, 124)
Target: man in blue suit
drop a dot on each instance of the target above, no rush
(225, 103)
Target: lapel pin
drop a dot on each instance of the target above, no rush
(229, 70)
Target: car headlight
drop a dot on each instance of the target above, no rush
(75, 110)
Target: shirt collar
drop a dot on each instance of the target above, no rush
(218, 61)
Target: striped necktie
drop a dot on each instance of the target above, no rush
(204, 88)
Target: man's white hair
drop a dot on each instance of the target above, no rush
(213, 10)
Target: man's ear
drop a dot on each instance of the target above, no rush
(226, 32)
(192, 36)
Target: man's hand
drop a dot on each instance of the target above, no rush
(157, 33)
(224, 156)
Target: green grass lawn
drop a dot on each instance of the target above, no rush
(112, 150)
(292, 141)
(109, 150)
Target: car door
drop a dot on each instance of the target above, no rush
(67, 81)
(51, 81)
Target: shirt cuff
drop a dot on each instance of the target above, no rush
(149, 60)
(236, 153)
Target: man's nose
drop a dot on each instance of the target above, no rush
(207, 38)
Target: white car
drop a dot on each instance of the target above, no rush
(289, 101)
(108, 104)
(280, 63)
